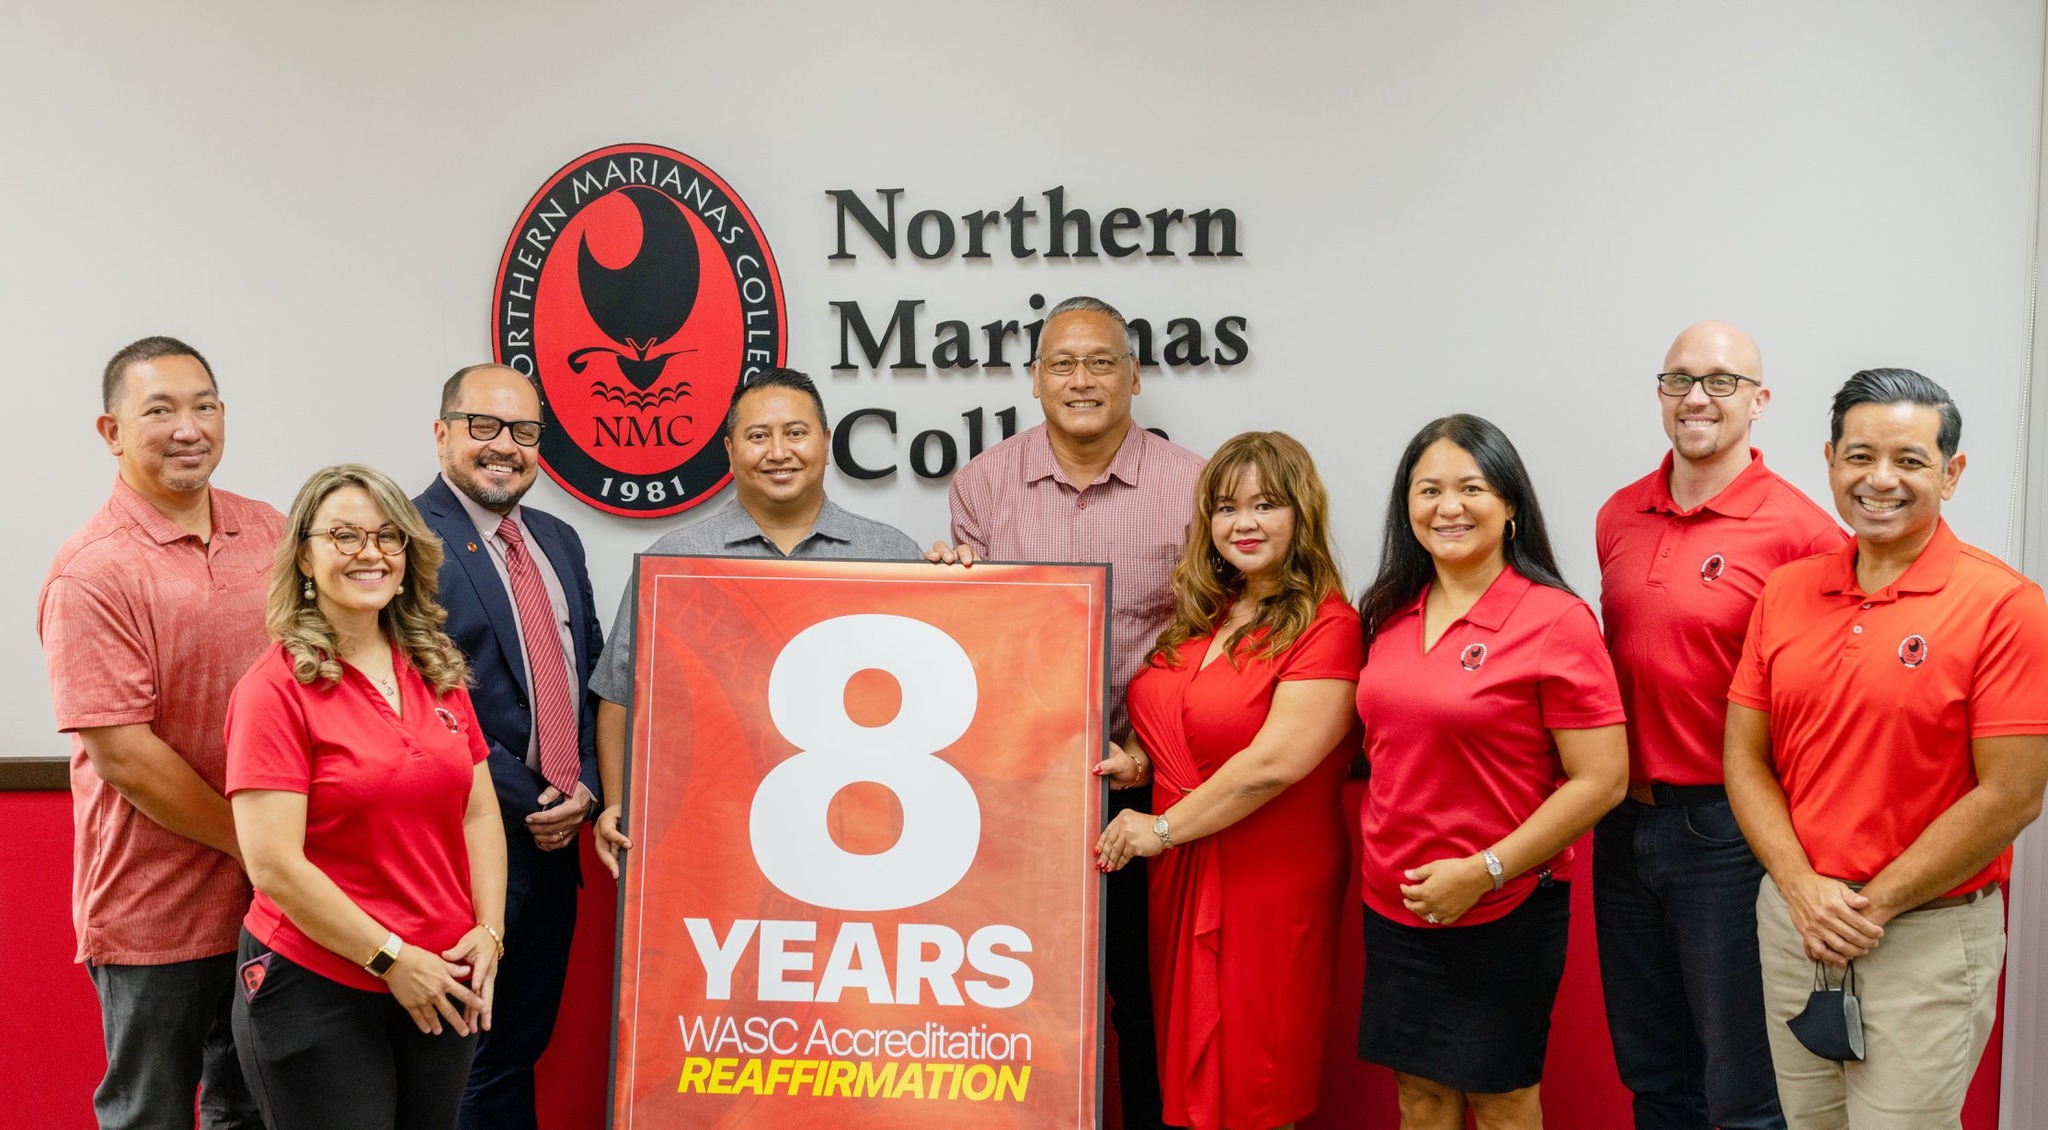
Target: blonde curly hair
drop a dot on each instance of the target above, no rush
(1205, 585)
(413, 618)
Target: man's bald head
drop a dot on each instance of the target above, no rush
(1705, 428)
(1723, 341)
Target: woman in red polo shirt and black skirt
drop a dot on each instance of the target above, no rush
(368, 824)
(1493, 728)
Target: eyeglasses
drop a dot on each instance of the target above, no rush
(1717, 384)
(351, 540)
(484, 428)
(1097, 366)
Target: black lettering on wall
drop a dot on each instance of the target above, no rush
(918, 225)
(1227, 339)
(842, 444)
(902, 327)
(1119, 220)
(1206, 220)
(883, 234)
(953, 350)
(1059, 217)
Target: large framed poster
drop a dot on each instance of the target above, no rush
(861, 892)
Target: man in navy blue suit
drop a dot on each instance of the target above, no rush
(519, 606)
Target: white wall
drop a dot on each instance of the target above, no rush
(1498, 207)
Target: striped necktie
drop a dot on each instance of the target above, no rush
(554, 713)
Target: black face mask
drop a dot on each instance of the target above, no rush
(1831, 1025)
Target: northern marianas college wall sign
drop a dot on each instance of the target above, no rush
(637, 290)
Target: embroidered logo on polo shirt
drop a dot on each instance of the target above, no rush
(1472, 657)
(448, 719)
(1710, 569)
(1913, 651)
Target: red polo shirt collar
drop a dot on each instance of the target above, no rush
(1494, 605)
(1739, 499)
(1928, 572)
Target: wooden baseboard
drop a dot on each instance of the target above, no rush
(21, 774)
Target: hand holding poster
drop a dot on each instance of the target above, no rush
(862, 809)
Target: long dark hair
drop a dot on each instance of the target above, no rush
(1406, 567)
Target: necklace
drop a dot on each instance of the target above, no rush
(388, 686)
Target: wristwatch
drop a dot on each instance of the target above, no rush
(1159, 829)
(1492, 867)
(386, 956)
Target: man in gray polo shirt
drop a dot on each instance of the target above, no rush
(776, 438)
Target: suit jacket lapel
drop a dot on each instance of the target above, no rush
(464, 546)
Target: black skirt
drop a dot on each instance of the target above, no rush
(1466, 1006)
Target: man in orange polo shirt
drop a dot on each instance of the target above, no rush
(150, 613)
(1887, 740)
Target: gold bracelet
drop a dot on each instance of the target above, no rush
(494, 937)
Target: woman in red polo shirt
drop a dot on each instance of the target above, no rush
(1493, 728)
(368, 825)
(1244, 722)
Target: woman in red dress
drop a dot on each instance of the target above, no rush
(1244, 724)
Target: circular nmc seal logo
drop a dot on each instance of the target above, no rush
(637, 291)
(1913, 650)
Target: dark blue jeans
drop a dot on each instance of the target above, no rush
(1674, 901)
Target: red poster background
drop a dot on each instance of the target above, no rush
(709, 633)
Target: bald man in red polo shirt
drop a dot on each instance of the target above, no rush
(1887, 740)
(1683, 556)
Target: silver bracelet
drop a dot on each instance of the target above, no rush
(1493, 869)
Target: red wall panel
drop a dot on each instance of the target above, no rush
(50, 1038)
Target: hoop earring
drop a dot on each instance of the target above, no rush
(306, 589)
(1511, 529)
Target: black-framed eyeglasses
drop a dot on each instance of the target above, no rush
(1097, 366)
(1716, 384)
(350, 540)
(484, 429)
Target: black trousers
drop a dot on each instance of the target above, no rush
(1127, 972)
(540, 924)
(319, 1055)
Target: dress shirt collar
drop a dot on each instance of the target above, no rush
(735, 526)
(485, 520)
(1038, 462)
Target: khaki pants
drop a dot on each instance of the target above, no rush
(1929, 993)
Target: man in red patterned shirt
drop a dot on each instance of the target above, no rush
(1090, 485)
(150, 613)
